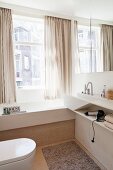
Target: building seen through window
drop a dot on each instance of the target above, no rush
(29, 52)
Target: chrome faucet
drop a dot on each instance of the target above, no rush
(89, 90)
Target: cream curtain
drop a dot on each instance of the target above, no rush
(58, 76)
(107, 47)
(7, 76)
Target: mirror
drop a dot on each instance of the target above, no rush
(95, 47)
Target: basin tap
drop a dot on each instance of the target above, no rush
(89, 90)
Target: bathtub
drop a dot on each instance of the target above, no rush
(35, 114)
(36, 106)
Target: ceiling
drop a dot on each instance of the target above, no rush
(97, 9)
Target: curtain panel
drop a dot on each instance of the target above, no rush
(75, 49)
(7, 73)
(58, 57)
(107, 47)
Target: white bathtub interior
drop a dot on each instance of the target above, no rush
(36, 106)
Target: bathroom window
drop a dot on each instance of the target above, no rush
(29, 51)
(89, 47)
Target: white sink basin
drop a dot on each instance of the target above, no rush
(97, 100)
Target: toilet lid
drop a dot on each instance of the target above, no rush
(15, 150)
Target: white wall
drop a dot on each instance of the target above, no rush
(98, 80)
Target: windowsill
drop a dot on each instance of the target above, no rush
(30, 88)
(43, 105)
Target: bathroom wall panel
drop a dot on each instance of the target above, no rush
(43, 134)
(21, 120)
(102, 148)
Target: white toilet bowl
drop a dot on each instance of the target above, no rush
(17, 154)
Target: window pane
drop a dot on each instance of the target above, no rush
(88, 58)
(28, 31)
(84, 36)
(29, 53)
(86, 61)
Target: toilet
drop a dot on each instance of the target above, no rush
(17, 154)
